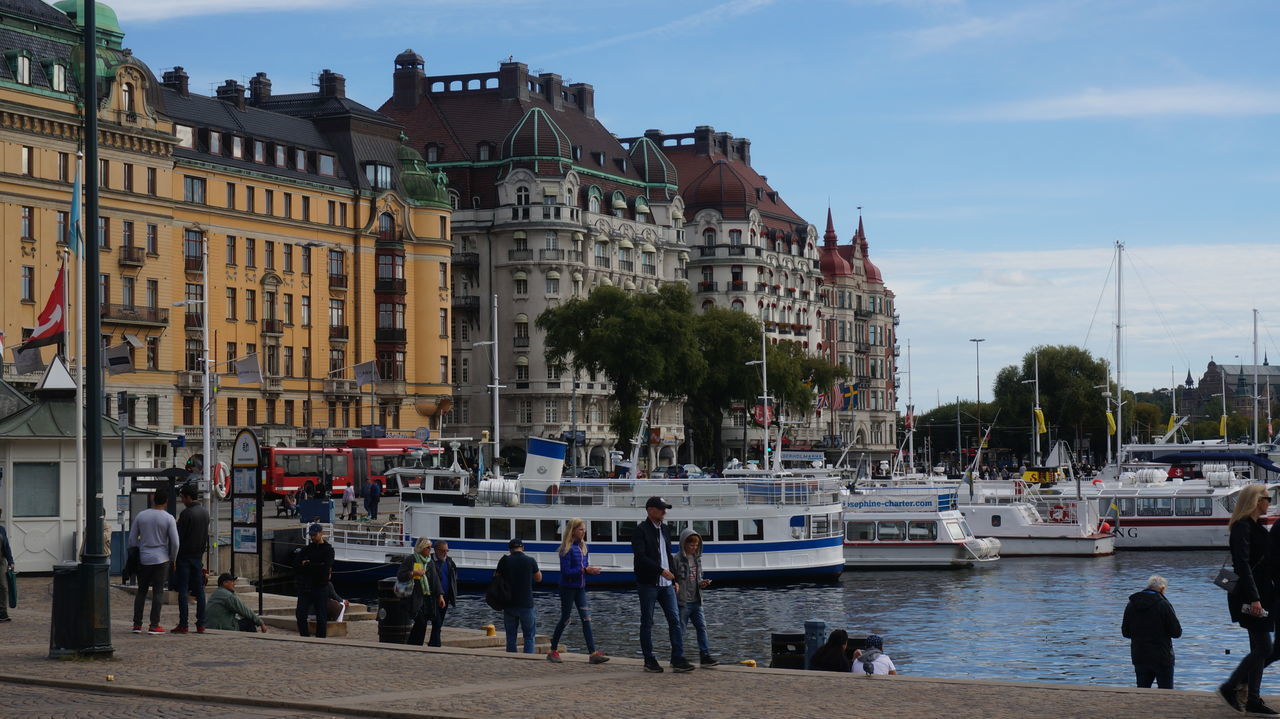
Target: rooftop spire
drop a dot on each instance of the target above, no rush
(830, 237)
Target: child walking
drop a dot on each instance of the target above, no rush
(573, 589)
(689, 586)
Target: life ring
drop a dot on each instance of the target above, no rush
(552, 491)
(1097, 482)
(221, 480)
(1057, 513)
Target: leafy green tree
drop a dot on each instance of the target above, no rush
(1070, 395)
(644, 343)
(727, 340)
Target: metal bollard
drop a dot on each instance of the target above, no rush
(815, 635)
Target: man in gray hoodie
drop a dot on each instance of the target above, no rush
(689, 585)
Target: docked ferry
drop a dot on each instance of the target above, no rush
(898, 526)
(1030, 521)
(754, 530)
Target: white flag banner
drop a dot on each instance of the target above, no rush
(367, 373)
(116, 359)
(27, 360)
(247, 370)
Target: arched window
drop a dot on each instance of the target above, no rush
(126, 96)
(709, 236)
(736, 306)
(522, 195)
(386, 227)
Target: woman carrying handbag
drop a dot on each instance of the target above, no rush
(1253, 594)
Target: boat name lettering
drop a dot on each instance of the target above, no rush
(888, 503)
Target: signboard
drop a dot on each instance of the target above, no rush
(797, 455)
(762, 414)
(244, 540)
(422, 434)
(246, 494)
(373, 431)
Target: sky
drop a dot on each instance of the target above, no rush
(997, 150)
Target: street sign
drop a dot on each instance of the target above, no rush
(246, 495)
(423, 434)
(373, 431)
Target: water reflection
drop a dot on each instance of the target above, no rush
(1042, 619)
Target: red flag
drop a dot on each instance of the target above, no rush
(910, 416)
(50, 327)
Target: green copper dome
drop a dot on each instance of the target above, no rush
(421, 184)
(105, 16)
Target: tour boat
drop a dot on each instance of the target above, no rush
(1030, 522)
(754, 529)
(895, 526)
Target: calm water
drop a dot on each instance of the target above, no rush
(1041, 619)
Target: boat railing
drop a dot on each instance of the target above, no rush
(634, 493)
(380, 534)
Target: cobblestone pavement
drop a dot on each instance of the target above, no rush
(277, 675)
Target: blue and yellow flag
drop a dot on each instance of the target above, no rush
(1040, 428)
(1222, 426)
(1111, 423)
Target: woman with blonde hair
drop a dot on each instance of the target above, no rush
(574, 569)
(1253, 594)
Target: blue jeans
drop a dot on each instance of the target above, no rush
(188, 577)
(665, 596)
(570, 596)
(693, 611)
(519, 619)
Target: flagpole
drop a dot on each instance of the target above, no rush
(206, 415)
(77, 237)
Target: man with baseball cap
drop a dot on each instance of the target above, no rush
(228, 611)
(314, 565)
(651, 553)
(521, 571)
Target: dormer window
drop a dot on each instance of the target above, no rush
(259, 151)
(378, 175)
(22, 69)
(433, 153)
(237, 147)
(522, 195)
(126, 97)
(484, 152)
(282, 156)
(58, 78)
(577, 152)
(325, 165)
(186, 136)
(300, 160)
(215, 142)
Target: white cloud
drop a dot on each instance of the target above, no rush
(1183, 305)
(1184, 100)
(716, 13)
(150, 10)
(939, 38)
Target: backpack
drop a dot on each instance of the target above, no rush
(498, 595)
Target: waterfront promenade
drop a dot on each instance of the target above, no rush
(230, 674)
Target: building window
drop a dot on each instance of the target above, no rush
(522, 195)
(288, 363)
(251, 411)
(444, 323)
(63, 228)
(28, 223)
(306, 310)
(444, 275)
(186, 136)
(64, 167)
(128, 291)
(306, 208)
(269, 202)
(22, 69)
(192, 248)
(521, 283)
(337, 263)
(269, 254)
(36, 489)
(126, 233)
(259, 151)
(325, 165)
(233, 411)
(104, 232)
(306, 260)
(250, 252)
(151, 181)
(250, 199)
(433, 153)
(251, 305)
(193, 189)
(153, 293)
(288, 257)
(484, 152)
(524, 413)
(288, 205)
(282, 156)
(300, 160)
(288, 309)
(28, 283)
(153, 353)
(551, 411)
(194, 353)
(553, 284)
(444, 369)
(378, 175)
(231, 250)
(386, 227)
(29, 161)
(128, 177)
(337, 313)
(126, 97)
(231, 303)
(58, 80)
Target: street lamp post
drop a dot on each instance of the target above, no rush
(206, 408)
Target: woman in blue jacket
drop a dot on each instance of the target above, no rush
(574, 569)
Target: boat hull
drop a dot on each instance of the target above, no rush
(907, 555)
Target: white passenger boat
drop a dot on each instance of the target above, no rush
(756, 529)
(1032, 523)
(895, 526)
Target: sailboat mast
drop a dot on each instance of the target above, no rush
(1255, 376)
(911, 411)
(1119, 355)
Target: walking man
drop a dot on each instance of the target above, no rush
(448, 573)
(314, 563)
(521, 571)
(155, 534)
(6, 562)
(651, 554)
(1151, 626)
(373, 493)
(193, 540)
(349, 502)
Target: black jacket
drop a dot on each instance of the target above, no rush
(450, 596)
(1151, 626)
(193, 531)
(318, 558)
(1252, 560)
(647, 544)
(421, 603)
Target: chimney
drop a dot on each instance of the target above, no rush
(744, 151)
(702, 140)
(553, 89)
(232, 92)
(176, 80)
(332, 84)
(655, 136)
(408, 79)
(586, 98)
(513, 81)
(259, 89)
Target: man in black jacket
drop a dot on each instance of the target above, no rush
(651, 552)
(193, 542)
(1151, 626)
(314, 564)
(448, 573)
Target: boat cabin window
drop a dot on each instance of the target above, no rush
(726, 530)
(860, 531)
(702, 527)
(527, 529)
(893, 531)
(626, 530)
(601, 531)
(446, 483)
(955, 531)
(996, 520)
(549, 530)
(923, 531)
(1155, 506)
(1193, 506)
(753, 529)
(822, 525)
(450, 526)
(499, 529)
(1125, 505)
(1229, 503)
(474, 528)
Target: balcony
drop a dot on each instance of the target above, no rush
(273, 327)
(551, 255)
(520, 212)
(389, 334)
(466, 259)
(575, 255)
(738, 285)
(272, 385)
(627, 265)
(389, 284)
(339, 332)
(862, 314)
(191, 381)
(737, 250)
(391, 388)
(861, 347)
(339, 387)
(466, 303)
(131, 256)
(193, 321)
(519, 341)
(706, 286)
(706, 250)
(134, 315)
(337, 282)
(783, 329)
(519, 255)
(603, 262)
(649, 269)
(193, 264)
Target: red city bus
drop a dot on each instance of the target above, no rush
(292, 469)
